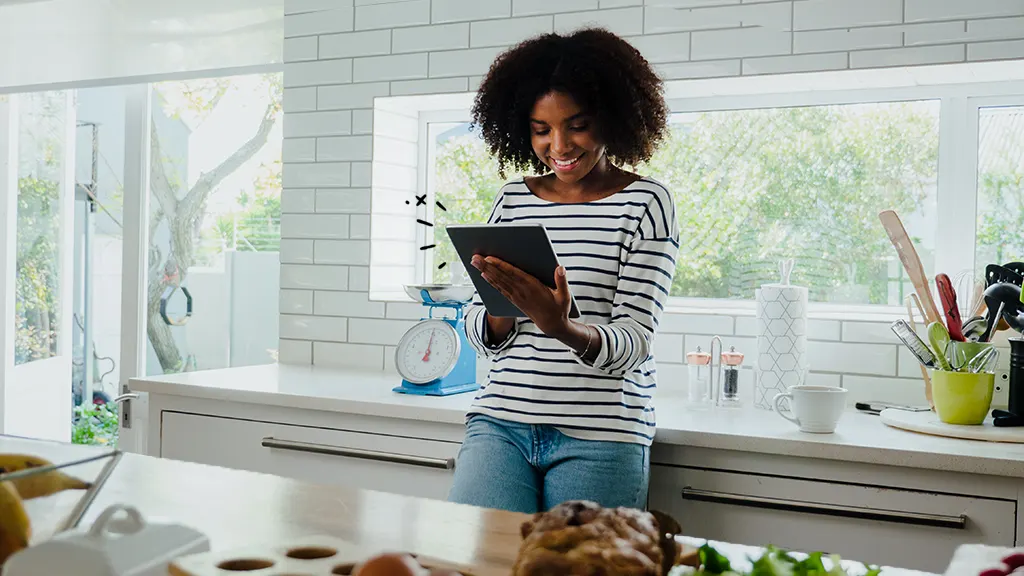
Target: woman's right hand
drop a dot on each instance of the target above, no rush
(498, 328)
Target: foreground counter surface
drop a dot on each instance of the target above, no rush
(240, 509)
(870, 492)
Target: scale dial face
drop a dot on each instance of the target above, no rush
(429, 350)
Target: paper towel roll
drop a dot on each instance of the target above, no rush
(781, 341)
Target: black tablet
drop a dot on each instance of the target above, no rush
(525, 246)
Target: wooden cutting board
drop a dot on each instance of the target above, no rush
(314, 555)
(929, 423)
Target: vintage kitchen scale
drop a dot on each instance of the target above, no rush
(434, 357)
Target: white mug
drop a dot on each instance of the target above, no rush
(815, 409)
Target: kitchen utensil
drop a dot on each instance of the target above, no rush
(912, 297)
(1017, 267)
(876, 407)
(434, 357)
(920, 309)
(1012, 313)
(978, 300)
(962, 397)
(917, 346)
(974, 328)
(963, 284)
(957, 358)
(993, 319)
(911, 262)
(967, 351)
(314, 555)
(929, 423)
(112, 546)
(984, 361)
(995, 274)
(938, 336)
(816, 409)
(950, 308)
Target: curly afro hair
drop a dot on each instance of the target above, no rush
(606, 76)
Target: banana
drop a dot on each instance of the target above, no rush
(41, 484)
(15, 526)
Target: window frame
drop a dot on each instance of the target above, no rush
(425, 177)
(957, 172)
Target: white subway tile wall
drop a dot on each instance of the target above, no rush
(343, 158)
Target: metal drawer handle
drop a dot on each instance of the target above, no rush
(442, 463)
(937, 520)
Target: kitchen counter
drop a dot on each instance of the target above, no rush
(859, 437)
(236, 508)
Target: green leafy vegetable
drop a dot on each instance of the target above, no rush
(712, 561)
(775, 562)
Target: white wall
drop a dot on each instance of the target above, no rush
(340, 55)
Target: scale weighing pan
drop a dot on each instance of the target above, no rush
(437, 293)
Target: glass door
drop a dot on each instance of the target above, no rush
(36, 223)
(214, 221)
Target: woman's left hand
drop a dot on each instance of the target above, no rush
(547, 308)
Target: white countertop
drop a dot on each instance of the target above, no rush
(858, 438)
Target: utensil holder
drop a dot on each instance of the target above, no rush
(962, 398)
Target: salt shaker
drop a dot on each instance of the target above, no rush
(698, 365)
(729, 387)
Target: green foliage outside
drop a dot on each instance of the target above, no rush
(95, 424)
(467, 182)
(256, 226)
(36, 308)
(755, 186)
(40, 149)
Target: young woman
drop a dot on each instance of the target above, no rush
(566, 412)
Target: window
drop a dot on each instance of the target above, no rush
(1000, 235)
(753, 187)
(761, 176)
(215, 222)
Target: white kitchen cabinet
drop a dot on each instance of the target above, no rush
(897, 527)
(411, 466)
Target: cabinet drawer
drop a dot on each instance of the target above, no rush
(410, 466)
(904, 528)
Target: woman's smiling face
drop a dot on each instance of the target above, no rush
(564, 137)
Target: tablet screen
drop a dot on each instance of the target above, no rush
(525, 246)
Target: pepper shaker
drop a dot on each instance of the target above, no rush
(729, 394)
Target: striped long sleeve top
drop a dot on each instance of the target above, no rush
(619, 253)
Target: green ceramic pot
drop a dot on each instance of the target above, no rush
(962, 397)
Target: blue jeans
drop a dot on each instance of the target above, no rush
(531, 468)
